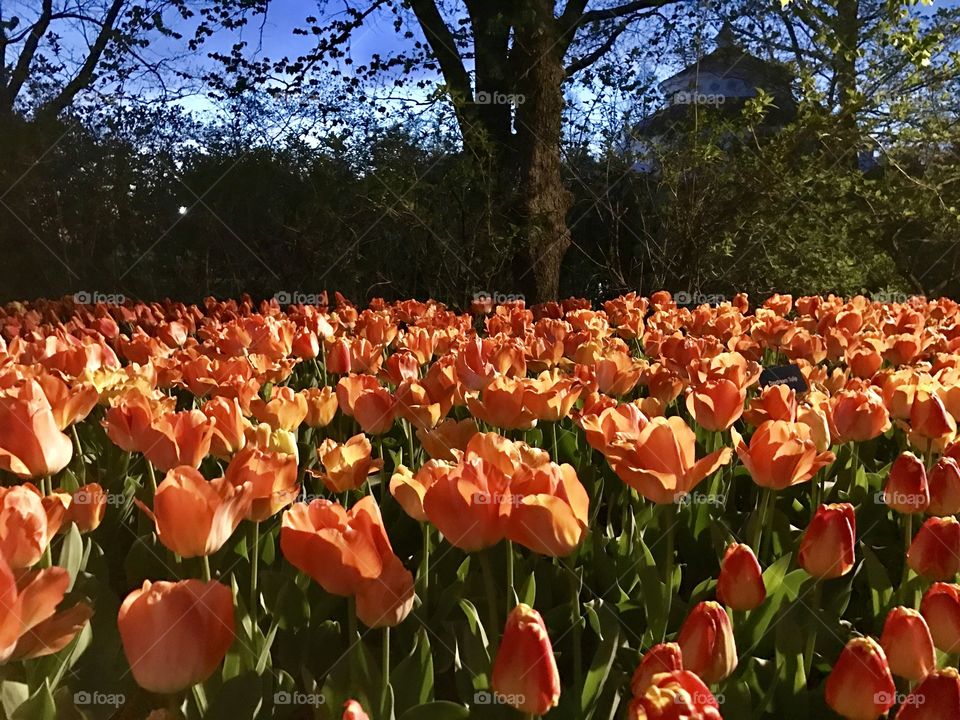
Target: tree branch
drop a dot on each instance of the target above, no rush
(19, 75)
(620, 11)
(590, 58)
(443, 45)
(84, 76)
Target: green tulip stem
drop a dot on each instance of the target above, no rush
(511, 592)
(576, 619)
(152, 475)
(254, 569)
(425, 565)
(671, 516)
(812, 637)
(206, 568)
(493, 632)
(385, 691)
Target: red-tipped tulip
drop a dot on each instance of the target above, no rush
(907, 490)
(936, 698)
(706, 642)
(940, 607)
(935, 551)
(860, 686)
(740, 585)
(525, 670)
(827, 548)
(907, 644)
(661, 658)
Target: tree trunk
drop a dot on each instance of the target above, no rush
(543, 200)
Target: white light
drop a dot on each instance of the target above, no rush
(182, 210)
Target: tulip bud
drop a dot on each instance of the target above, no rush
(525, 669)
(87, 508)
(352, 710)
(940, 607)
(827, 548)
(189, 620)
(936, 698)
(906, 490)
(860, 686)
(23, 526)
(935, 551)
(706, 642)
(661, 658)
(675, 695)
(907, 644)
(945, 488)
(740, 585)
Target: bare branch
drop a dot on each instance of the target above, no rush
(620, 11)
(19, 75)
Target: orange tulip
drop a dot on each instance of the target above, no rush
(446, 437)
(347, 466)
(706, 642)
(189, 620)
(501, 404)
(827, 548)
(550, 396)
(907, 644)
(285, 410)
(938, 696)
(230, 426)
(176, 439)
(414, 404)
(23, 526)
(860, 686)
(674, 696)
(87, 508)
(740, 584)
(931, 426)
(944, 488)
(662, 658)
(410, 489)
(321, 406)
(620, 423)
(775, 402)
(935, 551)
(466, 502)
(617, 373)
(69, 404)
(525, 670)
(781, 454)
(29, 624)
(940, 607)
(661, 463)
(906, 490)
(858, 416)
(272, 478)
(375, 410)
(351, 387)
(549, 509)
(129, 418)
(31, 444)
(195, 516)
(387, 600)
(716, 404)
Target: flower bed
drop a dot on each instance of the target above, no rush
(640, 510)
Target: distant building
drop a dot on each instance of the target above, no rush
(721, 81)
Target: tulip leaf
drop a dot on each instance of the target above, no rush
(39, 706)
(599, 671)
(881, 589)
(528, 592)
(13, 695)
(412, 678)
(239, 698)
(439, 710)
(71, 554)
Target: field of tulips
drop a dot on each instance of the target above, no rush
(639, 510)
